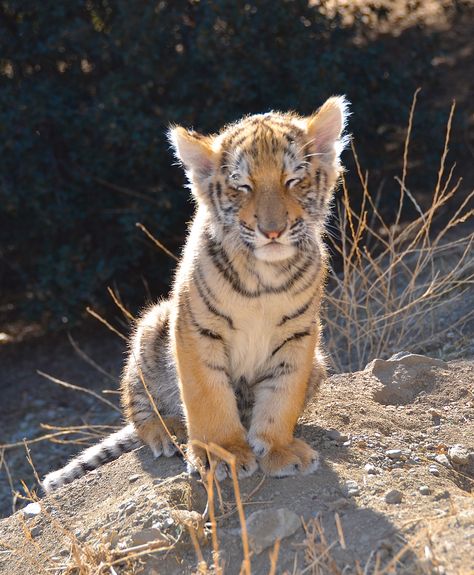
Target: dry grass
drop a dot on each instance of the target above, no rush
(397, 280)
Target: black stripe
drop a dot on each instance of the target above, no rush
(122, 446)
(310, 281)
(222, 262)
(219, 368)
(210, 306)
(86, 467)
(295, 336)
(203, 330)
(300, 311)
(281, 369)
(210, 191)
(107, 453)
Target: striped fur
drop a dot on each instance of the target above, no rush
(234, 354)
(93, 457)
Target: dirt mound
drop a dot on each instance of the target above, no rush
(391, 494)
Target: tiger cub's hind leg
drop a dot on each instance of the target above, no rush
(149, 385)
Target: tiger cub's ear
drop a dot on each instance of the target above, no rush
(194, 151)
(326, 125)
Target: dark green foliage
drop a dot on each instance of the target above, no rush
(88, 89)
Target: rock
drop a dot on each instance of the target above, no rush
(31, 510)
(399, 376)
(148, 536)
(443, 460)
(266, 526)
(134, 478)
(336, 435)
(394, 453)
(433, 470)
(130, 509)
(424, 490)
(394, 496)
(442, 495)
(370, 469)
(459, 454)
(352, 488)
(36, 530)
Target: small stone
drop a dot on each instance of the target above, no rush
(336, 435)
(134, 478)
(347, 443)
(31, 510)
(352, 488)
(147, 536)
(459, 454)
(394, 496)
(130, 509)
(394, 453)
(266, 526)
(36, 530)
(433, 470)
(370, 469)
(443, 460)
(442, 495)
(424, 490)
(435, 414)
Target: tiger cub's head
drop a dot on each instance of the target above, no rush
(267, 180)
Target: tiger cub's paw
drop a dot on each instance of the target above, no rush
(296, 457)
(245, 461)
(158, 438)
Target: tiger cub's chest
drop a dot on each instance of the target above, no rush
(255, 335)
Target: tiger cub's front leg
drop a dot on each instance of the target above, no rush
(279, 401)
(209, 401)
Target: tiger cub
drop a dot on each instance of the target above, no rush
(234, 354)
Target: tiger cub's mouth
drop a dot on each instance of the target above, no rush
(274, 251)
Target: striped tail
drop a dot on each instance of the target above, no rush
(110, 448)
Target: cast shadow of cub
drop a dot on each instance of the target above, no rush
(369, 542)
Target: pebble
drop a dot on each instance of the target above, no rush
(459, 454)
(31, 510)
(393, 496)
(36, 530)
(336, 435)
(134, 478)
(443, 460)
(264, 527)
(424, 490)
(352, 488)
(131, 508)
(370, 469)
(394, 453)
(433, 470)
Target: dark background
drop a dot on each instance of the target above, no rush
(88, 89)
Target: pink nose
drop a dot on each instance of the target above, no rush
(273, 233)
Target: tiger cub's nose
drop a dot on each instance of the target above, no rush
(272, 232)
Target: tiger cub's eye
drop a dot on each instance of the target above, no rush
(292, 182)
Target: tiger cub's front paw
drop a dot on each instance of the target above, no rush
(296, 457)
(245, 461)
